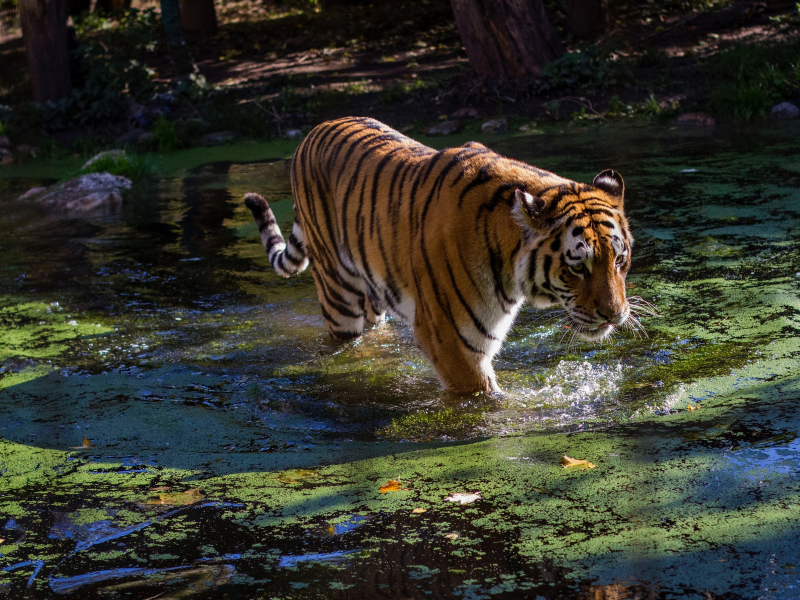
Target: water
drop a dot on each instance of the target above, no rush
(237, 450)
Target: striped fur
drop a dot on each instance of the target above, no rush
(451, 241)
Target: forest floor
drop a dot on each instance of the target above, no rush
(271, 69)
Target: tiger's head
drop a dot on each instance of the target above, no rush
(578, 246)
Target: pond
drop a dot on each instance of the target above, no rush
(176, 422)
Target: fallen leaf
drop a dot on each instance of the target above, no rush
(296, 476)
(393, 485)
(419, 511)
(2, 540)
(177, 498)
(86, 444)
(464, 498)
(692, 408)
(452, 536)
(576, 462)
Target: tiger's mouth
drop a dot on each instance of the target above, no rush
(595, 334)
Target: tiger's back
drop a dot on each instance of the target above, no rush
(451, 241)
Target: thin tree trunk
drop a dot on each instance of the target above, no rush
(198, 16)
(507, 39)
(586, 18)
(44, 29)
(171, 19)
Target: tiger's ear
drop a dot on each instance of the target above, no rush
(527, 208)
(610, 182)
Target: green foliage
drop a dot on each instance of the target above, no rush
(165, 135)
(741, 100)
(615, 107)
(584, 69)
(753, 77)
(134, 167)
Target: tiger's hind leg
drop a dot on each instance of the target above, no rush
(342, 303)
(374, 312)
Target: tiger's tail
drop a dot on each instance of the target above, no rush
(287, 258)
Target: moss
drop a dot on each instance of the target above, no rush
(432, 423)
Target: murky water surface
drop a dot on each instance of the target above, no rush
(236, 451)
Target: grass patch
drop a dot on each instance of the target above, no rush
(753, 78)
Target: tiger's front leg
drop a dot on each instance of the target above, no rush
(460, 369)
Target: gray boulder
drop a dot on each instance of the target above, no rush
(447, 127)
(81, 194)
(495, 126)
(785, 110)
(220, 137)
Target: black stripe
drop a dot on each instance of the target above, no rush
(478, 324)
(481, 178)
(548, 262)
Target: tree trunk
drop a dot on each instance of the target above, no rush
(506, 39)
(198, 16)
(44, 29)
(586, 18)
(171, 19)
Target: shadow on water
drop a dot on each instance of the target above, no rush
(233, 450)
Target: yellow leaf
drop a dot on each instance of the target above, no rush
(452, 536)
(419, 511)
(393, 485)
(576, 462)
(2, 540)
(692, 408)
(177, 498)
(86, 444)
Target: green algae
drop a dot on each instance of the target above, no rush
(243, 399)
(420, 425)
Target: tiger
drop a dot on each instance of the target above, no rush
(452, 242)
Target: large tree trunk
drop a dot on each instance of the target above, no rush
(198, 16)
(506, 39)
(44, 29)
(586, 18)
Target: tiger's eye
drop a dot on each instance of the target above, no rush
(620, 260)
(579, 269)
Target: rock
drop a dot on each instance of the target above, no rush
(81, 194)
(115, 154)
(135, 137)
(465, 112)
(32, 192)
(6, 158)
(23, 149)
(495, 126)
(5, 142)
(785, 110)
(294, 134)
(445, 127)
(696, 119)
(219, 138)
